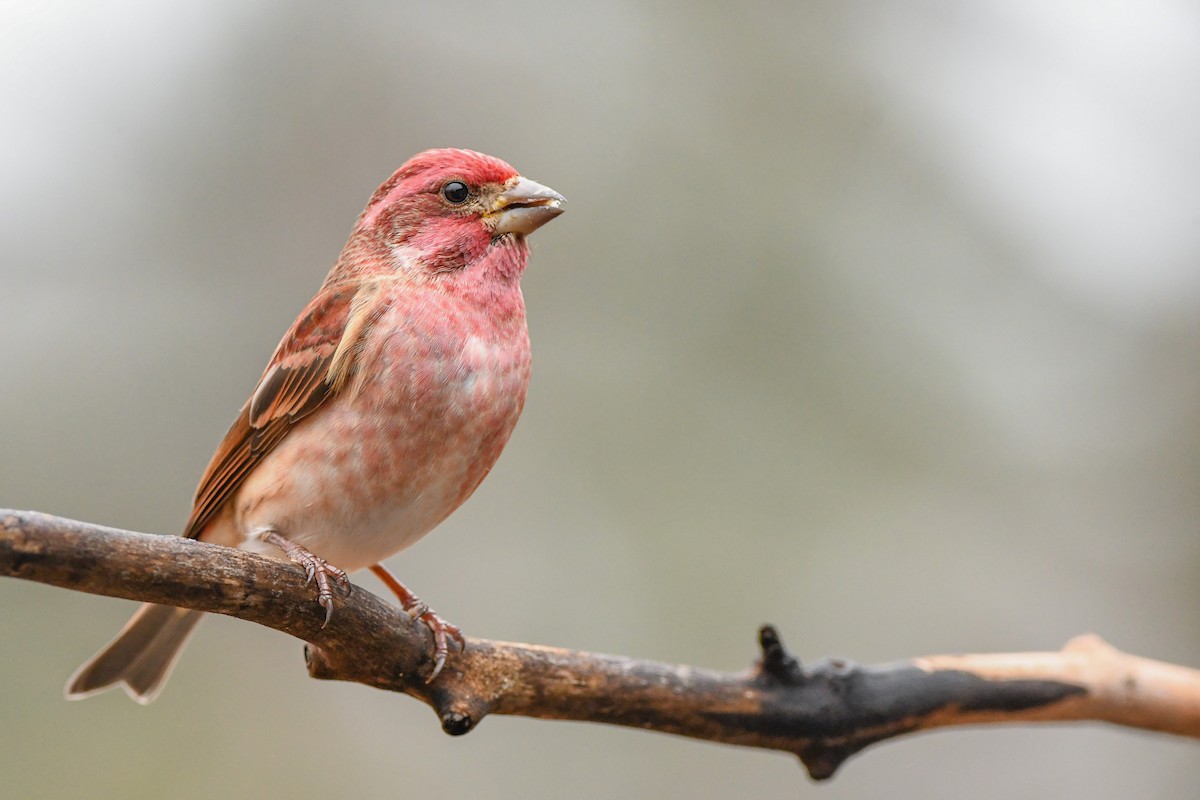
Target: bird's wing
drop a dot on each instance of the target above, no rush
(314, 362)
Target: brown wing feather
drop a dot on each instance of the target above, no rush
(303, 373)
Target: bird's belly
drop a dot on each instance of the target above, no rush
(376, 470)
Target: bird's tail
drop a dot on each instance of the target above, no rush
(140, 658)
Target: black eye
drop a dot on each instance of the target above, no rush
(456, 192)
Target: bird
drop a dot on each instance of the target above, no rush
(383, 407)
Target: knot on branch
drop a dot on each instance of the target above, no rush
(456, 723)
(458, 711)
(777, 665)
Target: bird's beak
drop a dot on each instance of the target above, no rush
(524, 207)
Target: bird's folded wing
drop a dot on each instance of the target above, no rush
(313, 362)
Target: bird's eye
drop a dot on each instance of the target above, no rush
(456, 192)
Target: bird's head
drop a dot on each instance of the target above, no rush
(444, 211)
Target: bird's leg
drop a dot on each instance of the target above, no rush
(415, 608)
(316, 568)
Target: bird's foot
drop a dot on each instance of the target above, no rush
(442, 630)
(412, 605)
(317, 569)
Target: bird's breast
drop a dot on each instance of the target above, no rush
(434, 401)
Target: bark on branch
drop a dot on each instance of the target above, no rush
(824, 712)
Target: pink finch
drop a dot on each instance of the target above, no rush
(385, 405)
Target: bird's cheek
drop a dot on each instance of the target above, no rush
(448, 245)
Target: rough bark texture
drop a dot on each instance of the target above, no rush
(823, 713)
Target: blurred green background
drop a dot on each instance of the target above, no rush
(877, 321)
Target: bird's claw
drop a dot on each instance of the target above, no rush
(316, 569)
(323, 572)
(441, 646)
(442, 631)
(418, 610)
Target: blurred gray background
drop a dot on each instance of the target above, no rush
(877, 321)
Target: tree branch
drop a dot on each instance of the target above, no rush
(823, 713)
